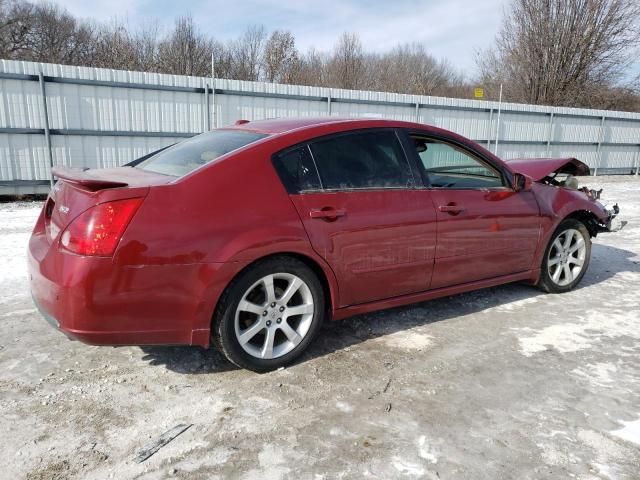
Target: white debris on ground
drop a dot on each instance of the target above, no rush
(502, 383)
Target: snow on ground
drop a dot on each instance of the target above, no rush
(630, 431)
(16, 222)
(502, 383)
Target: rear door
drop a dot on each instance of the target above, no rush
(485, 228)
(358, 199)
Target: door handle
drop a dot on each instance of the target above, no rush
(327, 213)
(451, 209)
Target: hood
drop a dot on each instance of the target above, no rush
(539, 168)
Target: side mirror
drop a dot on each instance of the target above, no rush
(521, 182)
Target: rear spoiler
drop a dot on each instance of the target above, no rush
(89, 179)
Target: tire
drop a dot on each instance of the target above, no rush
(255, 325)
(564, 266)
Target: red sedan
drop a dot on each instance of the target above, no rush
(251, 236)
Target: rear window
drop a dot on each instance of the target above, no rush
(186, 156)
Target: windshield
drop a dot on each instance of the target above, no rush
(186, 156)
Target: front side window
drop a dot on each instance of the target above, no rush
(448, 166)
(369, 159)
(186, 156)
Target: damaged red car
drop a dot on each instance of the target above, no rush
(249, 237)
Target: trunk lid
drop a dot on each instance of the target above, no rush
(78, 190)
(539, 168)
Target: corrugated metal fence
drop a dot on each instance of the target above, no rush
(93, 117)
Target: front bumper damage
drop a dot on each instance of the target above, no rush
(614, 222)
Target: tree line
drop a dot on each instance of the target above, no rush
(552, 52)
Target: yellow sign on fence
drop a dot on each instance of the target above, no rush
(478, 92)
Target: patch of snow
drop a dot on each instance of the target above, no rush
(407, 468)
(16, 224)
(629, 432)
(604, 470)
(572, 337)
(425, 451)
(407, 340)
(344, 407)
(599, 374)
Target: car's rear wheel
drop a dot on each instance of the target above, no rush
(566, 258)
(269, 314)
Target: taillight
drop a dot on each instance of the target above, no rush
(98, 230)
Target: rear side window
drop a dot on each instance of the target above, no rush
(296, 170)
(372, 159)
(186, 156)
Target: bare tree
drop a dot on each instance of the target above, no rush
(562, 51)
(247, 54)
(15, 25)
(346, 67)
(311, 69)
(56, 36)
(114, 47)
(558, 52)
(223, 60)
(280, 57)
(186, 51)
(146, 47)
(410, 68)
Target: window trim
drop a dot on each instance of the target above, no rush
(457, 145)
(315, 166)
(414, 181)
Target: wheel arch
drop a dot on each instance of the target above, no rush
(586, 217)
(323, 272)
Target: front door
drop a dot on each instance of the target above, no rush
(366, 217)
(485, 228)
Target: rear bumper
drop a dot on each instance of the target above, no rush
(97, 302)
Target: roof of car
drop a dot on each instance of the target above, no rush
(281, 125)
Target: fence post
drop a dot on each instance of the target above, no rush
(329, 103)
(599, 148)
(207, 110)
(47, 133)
(550, 136)
(636, 162)
(417, 112)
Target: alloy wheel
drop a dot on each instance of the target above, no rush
(567, 256)
(274, 315)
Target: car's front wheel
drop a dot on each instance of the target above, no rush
(269, 314)
(566, 258)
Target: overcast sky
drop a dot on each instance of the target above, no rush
(452, 29)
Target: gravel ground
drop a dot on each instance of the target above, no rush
(501, 383)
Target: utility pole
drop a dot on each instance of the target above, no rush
(213, 91)
(495, 148)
